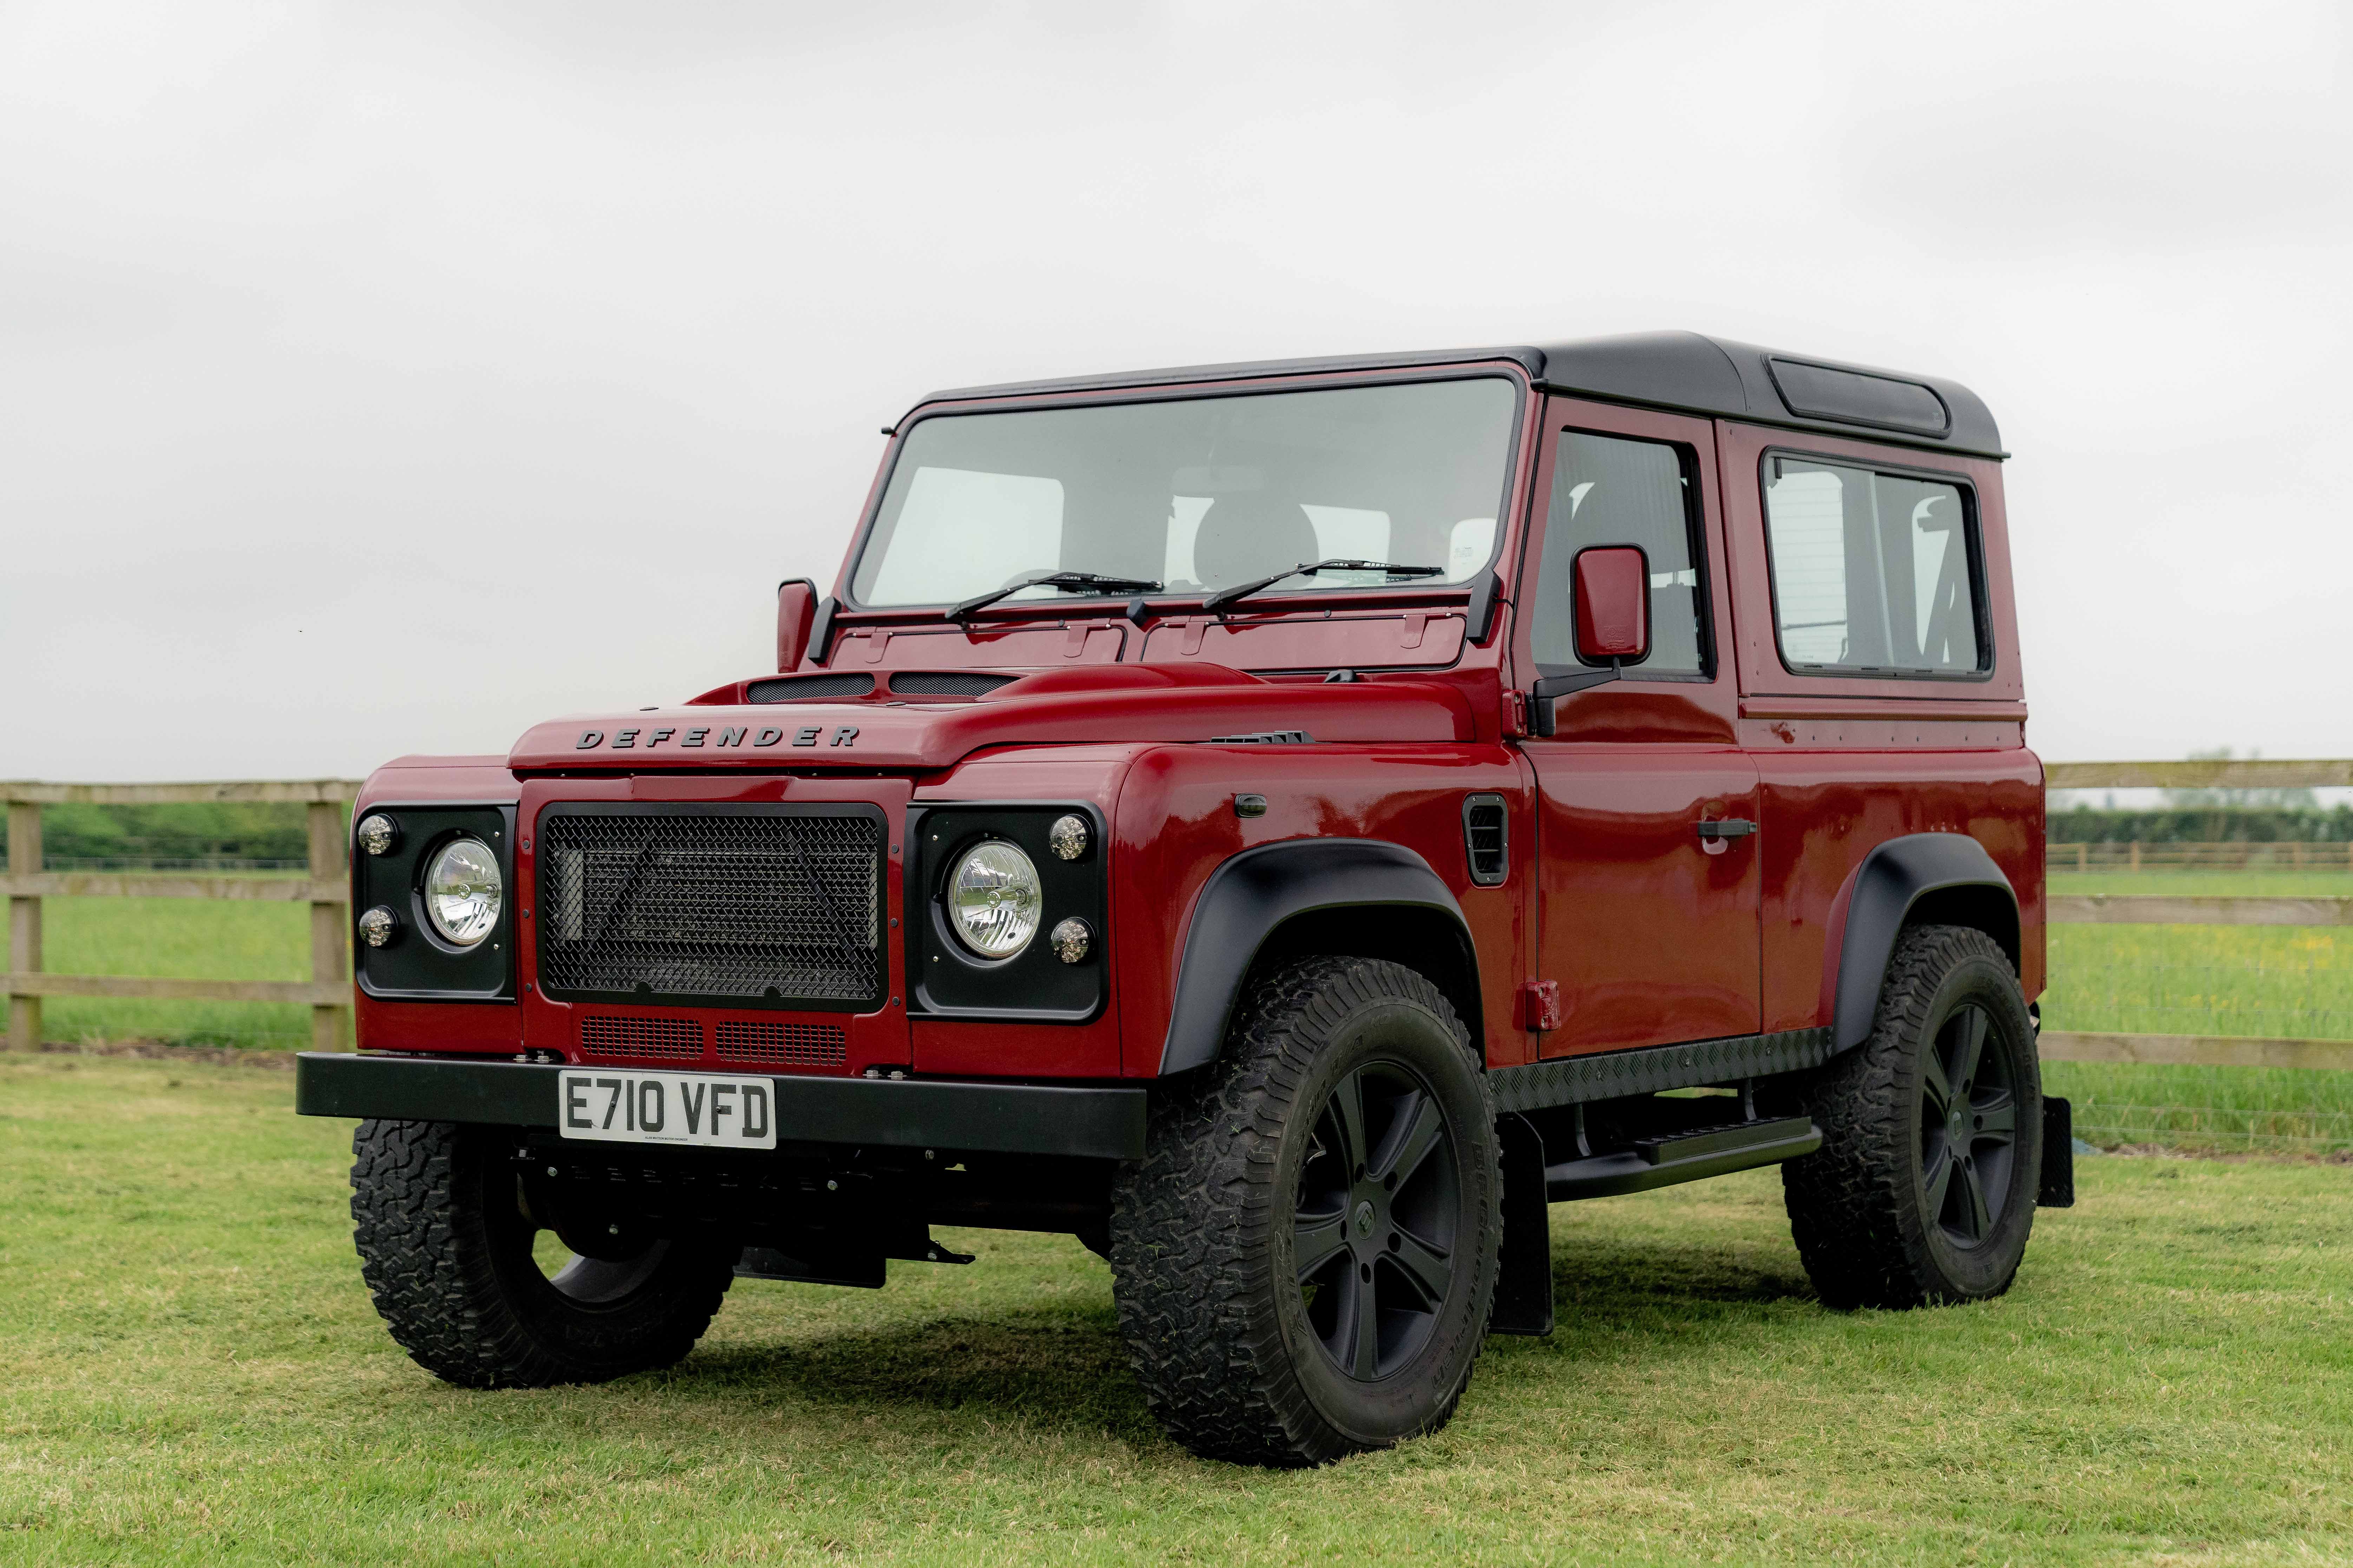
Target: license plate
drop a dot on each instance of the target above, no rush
(627, 1107)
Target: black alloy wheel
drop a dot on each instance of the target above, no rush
(1924, 1189)
(1304, 1258)
(1968, 1128)
(1374, 1235)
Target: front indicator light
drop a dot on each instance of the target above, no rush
(1070, 939)
(1068, 837)
(378, 833)
(377, 925)
(993, 899)
(464, 891)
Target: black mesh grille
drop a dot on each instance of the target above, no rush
(768, 905)
(795, 688)
(608, 1036)
(814, 1045)
(947, 683)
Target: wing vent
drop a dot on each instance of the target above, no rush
(1486, 838)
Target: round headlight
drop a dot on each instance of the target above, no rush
(993, 899)
(378, 833)
(463, 891)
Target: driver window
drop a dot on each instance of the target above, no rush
(1609, 489)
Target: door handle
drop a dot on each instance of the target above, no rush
(1727, 828)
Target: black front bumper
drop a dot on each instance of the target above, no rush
(913, 1113)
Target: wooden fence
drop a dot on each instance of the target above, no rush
(326, 889)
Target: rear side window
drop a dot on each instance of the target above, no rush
(1873, 573)
(1608, 490)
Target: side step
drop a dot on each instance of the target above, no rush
(1690, 1156)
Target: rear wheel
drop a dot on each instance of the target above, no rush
(460, 1273)
(1924, 1186)
(1305, 1257)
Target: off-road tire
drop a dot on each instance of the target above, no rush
(1871, 1223)
(1205, 1230)
(445, 1248)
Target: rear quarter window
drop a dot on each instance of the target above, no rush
(1875, 572)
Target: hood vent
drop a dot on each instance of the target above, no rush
(947, 683)
(800, 688)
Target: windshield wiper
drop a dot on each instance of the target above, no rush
(1216, 602)
(1068, 582)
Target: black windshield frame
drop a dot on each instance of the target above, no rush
(1511, 374)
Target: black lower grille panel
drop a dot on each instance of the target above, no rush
(759, 905)
(607, 1037)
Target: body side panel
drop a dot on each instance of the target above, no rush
(1176, 825)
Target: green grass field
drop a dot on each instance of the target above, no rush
(197, 939)
(194, 1374)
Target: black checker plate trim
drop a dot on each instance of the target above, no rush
(1613, 1075)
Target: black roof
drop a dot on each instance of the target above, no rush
(1684, 371)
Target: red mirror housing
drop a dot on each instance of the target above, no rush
(1613, 603)
(795, 613)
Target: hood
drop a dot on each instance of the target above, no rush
(1115, 704)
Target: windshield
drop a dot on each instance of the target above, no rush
(1196, 494)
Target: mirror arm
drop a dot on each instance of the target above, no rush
(1541, 695)
(821, 630)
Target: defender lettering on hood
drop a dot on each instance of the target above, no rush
(702, 734)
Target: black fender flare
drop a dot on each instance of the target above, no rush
(1253, 894)
(1948, 873)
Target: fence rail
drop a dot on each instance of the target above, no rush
(328, 992)
(326, 889)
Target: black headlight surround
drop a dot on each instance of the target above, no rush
(417, 964)
(948, 979)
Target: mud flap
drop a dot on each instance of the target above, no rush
(2058, 1156)
(1524, 1281)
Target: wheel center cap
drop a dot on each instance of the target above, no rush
(1953, 1123)
(1363, 1218)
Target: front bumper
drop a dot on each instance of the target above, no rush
(915, 1113)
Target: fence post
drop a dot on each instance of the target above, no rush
(24, 923)
(328, 924)
(2082, 856)
(2135, 854)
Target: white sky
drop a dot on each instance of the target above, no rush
(384, 378)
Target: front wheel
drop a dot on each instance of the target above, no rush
(447, 1245)
(1923, 1188)
(1305, 1257)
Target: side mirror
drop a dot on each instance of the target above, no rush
(1613, 603)
(795, 613)
(1612, 587)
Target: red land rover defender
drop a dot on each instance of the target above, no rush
(1283, 825)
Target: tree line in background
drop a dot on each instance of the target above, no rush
(2202, 824)
(99, 837)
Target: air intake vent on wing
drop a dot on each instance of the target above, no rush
(1486, 836)
(947, 683)
(800, 688)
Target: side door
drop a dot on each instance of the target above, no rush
(1647, 919)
